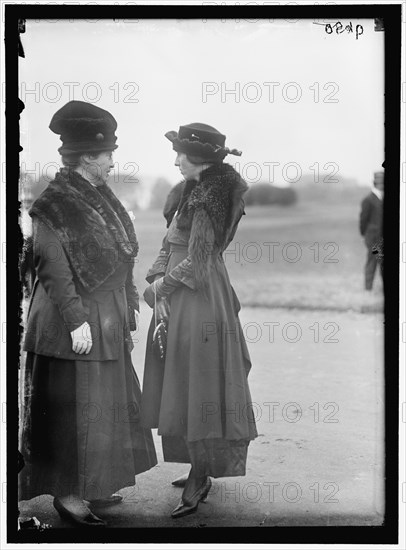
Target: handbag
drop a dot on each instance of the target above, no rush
(160, 336)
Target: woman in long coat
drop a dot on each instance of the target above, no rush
(199, 397)
(81, 434)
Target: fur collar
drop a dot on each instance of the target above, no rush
(211, 210)
(215, 193)
(92, 225)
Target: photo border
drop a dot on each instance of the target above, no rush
(392, 17)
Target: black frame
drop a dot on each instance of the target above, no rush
(392, 19)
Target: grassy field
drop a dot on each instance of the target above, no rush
(307, 256)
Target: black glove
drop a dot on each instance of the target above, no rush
(161, 288)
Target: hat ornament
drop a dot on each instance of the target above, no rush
(228, 151)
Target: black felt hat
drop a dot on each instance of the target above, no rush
(200, 142)
(84, 128)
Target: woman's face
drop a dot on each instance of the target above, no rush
(188, 170)
(98, 166)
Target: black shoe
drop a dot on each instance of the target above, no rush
(105, 502)
(83, 516)
(189, 506)
(180, 481)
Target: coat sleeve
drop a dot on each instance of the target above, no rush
(54, 273)
(195, 268)
(364, 216)
(159, 266)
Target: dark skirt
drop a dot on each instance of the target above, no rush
(199, 399)
(81, 430)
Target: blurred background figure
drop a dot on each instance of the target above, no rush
(27, 274)
(26, 266)
(371, 225)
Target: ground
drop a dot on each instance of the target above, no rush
(307, 256)
(316, 344)
(318, 459)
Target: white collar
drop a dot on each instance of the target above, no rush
(377, 192)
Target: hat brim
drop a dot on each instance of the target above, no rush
(172, 135)
(81, 150)
(204, 151)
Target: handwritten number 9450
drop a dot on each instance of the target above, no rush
(339, 28)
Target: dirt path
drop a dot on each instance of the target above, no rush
(318, 459)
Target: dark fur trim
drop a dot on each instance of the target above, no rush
(214, 193)
(92, 225)
(206, 208)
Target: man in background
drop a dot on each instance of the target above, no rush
(370, 225)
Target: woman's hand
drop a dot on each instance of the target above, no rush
(161, 288)
(149, 294)
(82, 339)
(162, 305)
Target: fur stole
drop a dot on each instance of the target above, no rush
(92, 225)
(210, 209)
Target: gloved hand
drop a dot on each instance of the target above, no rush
(82, 339)
(160, 288)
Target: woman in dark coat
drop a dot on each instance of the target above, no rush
(199, 398)
(81, 434)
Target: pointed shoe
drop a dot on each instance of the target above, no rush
(186, 507)
(83, 517)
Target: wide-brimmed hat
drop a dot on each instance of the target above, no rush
(200, 142)
(84, 128)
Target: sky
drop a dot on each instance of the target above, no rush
(292, 96)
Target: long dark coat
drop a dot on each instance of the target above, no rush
(81, 429)
(371, 219)
(370, 225)
(200, 399)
